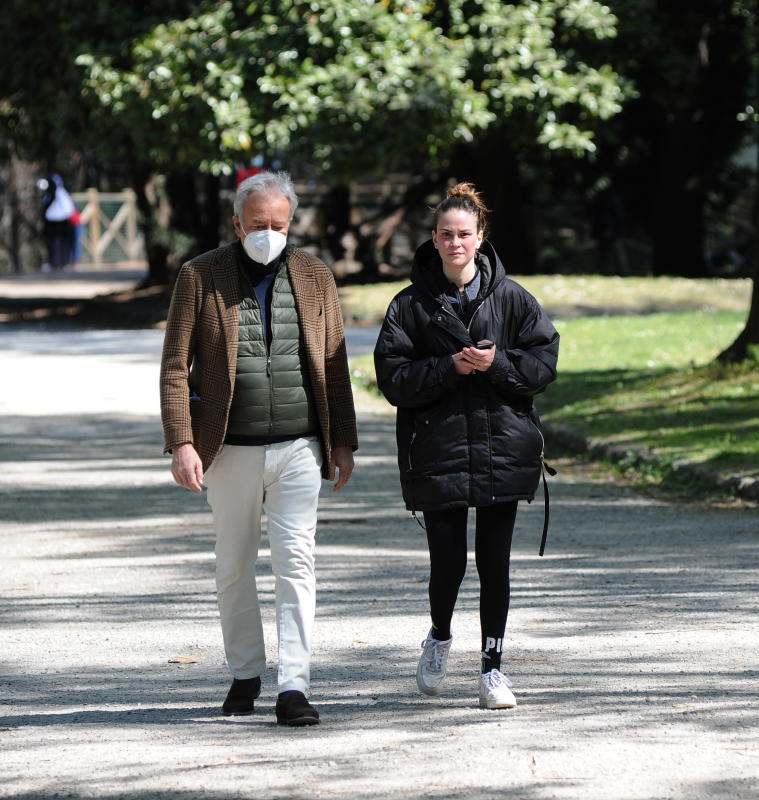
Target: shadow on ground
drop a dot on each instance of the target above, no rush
(625, 632)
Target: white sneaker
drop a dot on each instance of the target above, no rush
(495, 691)
(430, 673)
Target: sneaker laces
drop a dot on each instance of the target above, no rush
(434, 652)
(495, 678)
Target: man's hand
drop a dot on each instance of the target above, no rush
(186, 467)
(342, 459)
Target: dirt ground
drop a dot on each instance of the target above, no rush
(632, 644)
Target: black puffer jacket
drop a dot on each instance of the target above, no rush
(465, 440)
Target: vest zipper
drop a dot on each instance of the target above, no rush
(268, 345)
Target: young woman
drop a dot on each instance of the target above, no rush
(461, 353)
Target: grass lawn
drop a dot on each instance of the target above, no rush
(581, 295)
(648, 380)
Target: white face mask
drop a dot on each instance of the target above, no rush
(264, 246)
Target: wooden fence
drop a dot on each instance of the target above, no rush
(111, 234)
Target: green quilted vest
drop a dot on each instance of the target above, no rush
(272, 396)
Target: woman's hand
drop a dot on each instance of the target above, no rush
(461, 364)
(476, 359)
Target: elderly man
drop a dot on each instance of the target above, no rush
(257, 406)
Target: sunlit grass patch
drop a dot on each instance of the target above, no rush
(650, 382)
(651, 341)
(581, 295)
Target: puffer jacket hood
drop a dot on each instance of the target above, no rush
(427, 269)
(465, 440)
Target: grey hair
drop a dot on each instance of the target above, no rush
(266, 183)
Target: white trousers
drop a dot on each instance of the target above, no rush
(283, 481)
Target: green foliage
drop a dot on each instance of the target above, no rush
(43, 111)
(525, 59)
(351, 86)
(181, 100)
(324, 81)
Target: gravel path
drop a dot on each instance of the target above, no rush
(632, 645)
(81, 283)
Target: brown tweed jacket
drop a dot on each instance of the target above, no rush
(200, 351)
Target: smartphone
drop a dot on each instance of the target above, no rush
(484, 344)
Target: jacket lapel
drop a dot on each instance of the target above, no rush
(226, 282)
(307, 302)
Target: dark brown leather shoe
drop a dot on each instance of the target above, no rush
(240, 697)
(295, 710)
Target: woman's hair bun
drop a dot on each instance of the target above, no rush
(467, 189)
(465, 196)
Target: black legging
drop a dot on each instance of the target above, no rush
(446, 537)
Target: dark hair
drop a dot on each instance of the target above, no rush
(465, 197)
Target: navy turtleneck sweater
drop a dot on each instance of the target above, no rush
(258, 279)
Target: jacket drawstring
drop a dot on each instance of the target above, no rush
(546, 508)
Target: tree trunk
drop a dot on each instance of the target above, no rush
(375, 237)
(336, 210)
(156, 252)
(494, 167)
(739, 350)
(14, 245)
(210, 231)
(190, 223)
(678, 199)
(182, 193)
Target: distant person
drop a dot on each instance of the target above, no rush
(461, 353)
(256, 404)
(77, 230)
(254, 167)
(57, 208)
